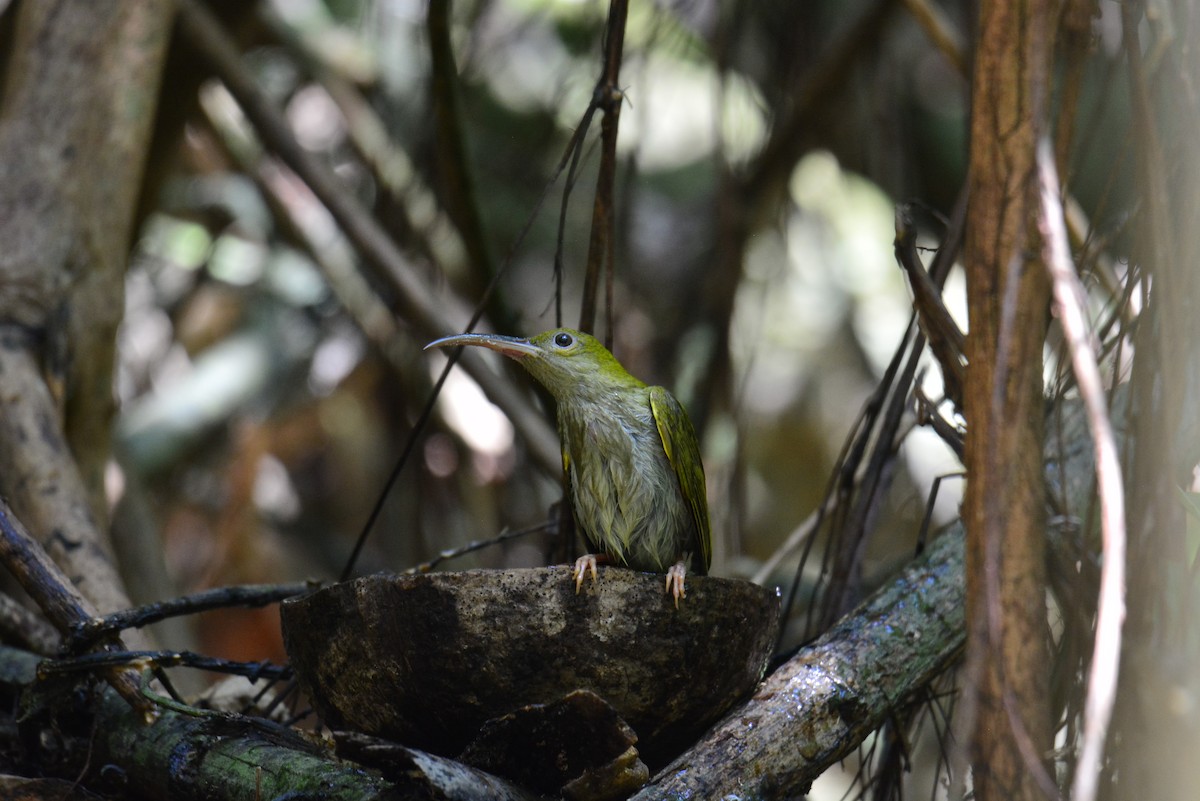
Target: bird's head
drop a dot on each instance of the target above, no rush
(565, 361)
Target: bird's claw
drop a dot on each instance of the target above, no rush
(582, 565)
(675, 578)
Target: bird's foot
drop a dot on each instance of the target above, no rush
(675, 578)
(583, 564)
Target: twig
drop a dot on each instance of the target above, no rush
(946, 340)
(850, 538)
(947, 432)
(572, 155)
(1110, 612)
(940, 31)
(607, 96)
(478, 545)
(248, 595)
(798, 536)
(144, 659)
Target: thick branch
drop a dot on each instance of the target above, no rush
(78, 103)
(818, 707)
(41, 482)
(214, 756)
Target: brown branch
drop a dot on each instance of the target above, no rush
(1004, 508)
(940, 31)
(42, 483)
(945, 338)
(606, 96)
(78, 103)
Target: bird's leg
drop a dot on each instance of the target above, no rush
(586, 563)
(675, 578)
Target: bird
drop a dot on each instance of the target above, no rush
(631, 460)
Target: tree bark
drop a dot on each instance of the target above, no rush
(77, 109)
(1004, 509)
(817, 708)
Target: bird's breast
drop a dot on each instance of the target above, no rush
(624, 492)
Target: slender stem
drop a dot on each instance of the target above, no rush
(1110, 612)
(607, 96)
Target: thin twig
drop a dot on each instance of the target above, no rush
(1110, 612)
(145, 659)
(572, 155)
(606, 96)
(247, 595)
(798, 536)
(850, 539)
(477, 545)
(940, 31)
(946, 339)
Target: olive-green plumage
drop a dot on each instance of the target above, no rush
(630, 456)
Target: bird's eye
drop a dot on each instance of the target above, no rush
(563, 340)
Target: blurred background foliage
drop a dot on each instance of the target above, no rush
(267, 385)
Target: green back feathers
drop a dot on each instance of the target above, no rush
(683, 452)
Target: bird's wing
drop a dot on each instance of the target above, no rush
(683, 452)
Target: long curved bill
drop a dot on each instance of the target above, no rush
(513, 347)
